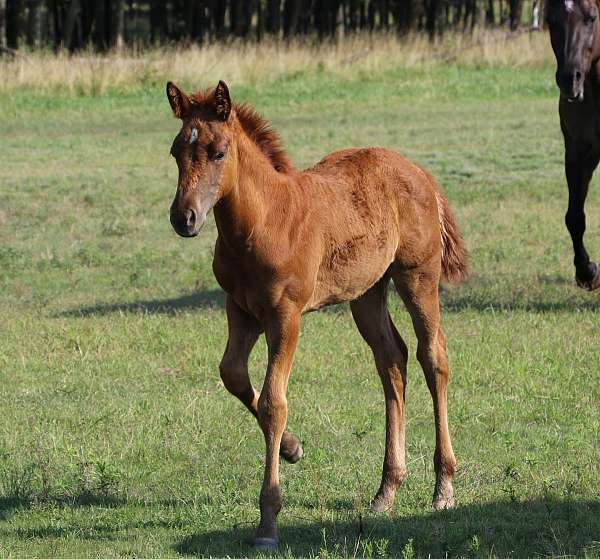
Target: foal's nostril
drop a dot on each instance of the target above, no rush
(190, 218)
(577, 76)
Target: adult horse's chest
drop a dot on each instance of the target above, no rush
(581, 121)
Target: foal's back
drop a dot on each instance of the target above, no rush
(376, 209)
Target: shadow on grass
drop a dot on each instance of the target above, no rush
(87, 499)
(519, 529)
(482, 294)
(536, 294)
(209, 299)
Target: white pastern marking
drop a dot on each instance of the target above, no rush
(193, 135)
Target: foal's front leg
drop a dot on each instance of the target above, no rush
(282, 335)
(244, 330)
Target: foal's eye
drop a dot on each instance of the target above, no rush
(218, 156)
(588, 20)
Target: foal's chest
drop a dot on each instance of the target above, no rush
(244, 279)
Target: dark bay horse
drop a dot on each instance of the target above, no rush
(575, 36)
(294, 241)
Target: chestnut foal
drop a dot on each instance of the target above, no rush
(294, 241)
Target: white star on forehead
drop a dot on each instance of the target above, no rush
(193, 135)
(569, 5)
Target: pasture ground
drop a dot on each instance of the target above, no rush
(117, 438)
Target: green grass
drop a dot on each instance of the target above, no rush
(117, 438)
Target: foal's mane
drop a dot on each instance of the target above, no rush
(257, 128)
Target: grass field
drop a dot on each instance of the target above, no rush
(117, 438)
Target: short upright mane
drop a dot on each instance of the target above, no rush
(258, 130)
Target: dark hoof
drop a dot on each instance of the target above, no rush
(594, 282)
(266, 544)
(291, 449)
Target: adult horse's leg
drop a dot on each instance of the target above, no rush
(579, 167)
(282, 331)
(244, 330)
(389, 350)
(419, 291)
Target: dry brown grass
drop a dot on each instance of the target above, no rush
(248, 63)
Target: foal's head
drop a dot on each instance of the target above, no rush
(201, 150)
(575, 37)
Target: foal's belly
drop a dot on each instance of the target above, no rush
(349, 270)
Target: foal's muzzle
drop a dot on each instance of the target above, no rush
(187, 222)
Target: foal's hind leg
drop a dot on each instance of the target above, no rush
(419, 291)
(244, 330)
(389, 350)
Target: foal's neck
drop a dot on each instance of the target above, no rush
(251, 190)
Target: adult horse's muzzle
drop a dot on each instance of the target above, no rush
(570, 82)
(187, 222)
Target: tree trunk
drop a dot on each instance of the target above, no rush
(198, 20)
(117, 24)
(371, 15)
(54, 22)
(14, 15)
(99, 31)
(241, 17)
(404, 16)
(34, 23)
(158, 21)
(273, 17)
(217, 10)
(68, 41)
(384, 14)
(291, 17)
(2, 23)
(515, 13)
(433, 12)
(354, 14)
(490, 16)
(259, 21)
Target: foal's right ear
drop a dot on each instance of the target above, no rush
(222, 101)
(179, 101)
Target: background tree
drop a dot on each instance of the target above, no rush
(75, 24)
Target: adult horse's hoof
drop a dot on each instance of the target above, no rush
(291, 449)
(265, 544)
(590, 284)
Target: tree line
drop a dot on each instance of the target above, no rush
(104, 24)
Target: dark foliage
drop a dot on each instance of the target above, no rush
(107, 24)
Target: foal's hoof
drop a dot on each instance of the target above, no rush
(443, 495)
(590, 284)
(291, 449)
(265, 544)
(444, 503)
(381, 504)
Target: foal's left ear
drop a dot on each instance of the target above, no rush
(222, 101)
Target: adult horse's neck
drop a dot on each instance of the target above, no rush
(250, 188)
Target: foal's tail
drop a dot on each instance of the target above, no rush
(455, 265)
